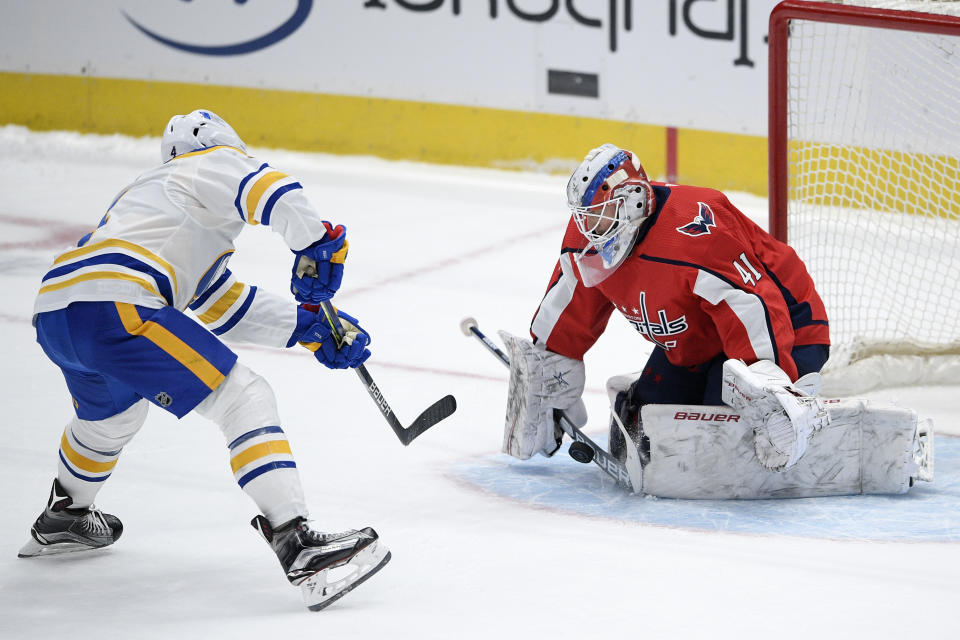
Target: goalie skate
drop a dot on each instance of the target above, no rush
(60, 529)
(326, 566)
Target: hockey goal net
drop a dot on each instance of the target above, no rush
(865, 179)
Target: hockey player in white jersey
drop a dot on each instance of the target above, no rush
(111, 313)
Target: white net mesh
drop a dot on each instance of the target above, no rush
(874, 180)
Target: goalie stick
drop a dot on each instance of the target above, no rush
(439, 410)
(613, 467)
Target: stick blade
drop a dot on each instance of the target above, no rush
(439, 410)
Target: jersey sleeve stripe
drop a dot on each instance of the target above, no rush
(238, 315)
(257, 190)
(556, 300)
(171, 344)
(243, 185)
(210, 291)
(218, 308)
(747, 307)
(268, 208)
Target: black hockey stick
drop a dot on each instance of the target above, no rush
(613, 467)
(439, 410)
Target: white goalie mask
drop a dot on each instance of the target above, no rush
(610, 197)
(197, 130)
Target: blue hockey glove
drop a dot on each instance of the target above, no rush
(352, 351)
(318, 269)
(306, 318)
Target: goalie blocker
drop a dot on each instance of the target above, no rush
(707, 452)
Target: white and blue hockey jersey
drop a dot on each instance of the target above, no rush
(167, 238)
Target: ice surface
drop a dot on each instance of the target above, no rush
(926, 513)
(429, 245)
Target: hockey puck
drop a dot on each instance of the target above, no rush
(581, 452)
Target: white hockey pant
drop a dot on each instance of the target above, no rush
(245, 409)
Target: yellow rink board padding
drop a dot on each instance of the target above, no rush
(725, 161)
(877, 179)
(392, 129)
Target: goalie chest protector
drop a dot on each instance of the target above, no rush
(705, 452)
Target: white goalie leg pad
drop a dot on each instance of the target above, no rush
(700, 452)
(540, 381)
(245, 409)
(783, 415)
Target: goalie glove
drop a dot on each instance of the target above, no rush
(783, 415)
(540, 381)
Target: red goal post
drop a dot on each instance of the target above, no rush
(864, 178)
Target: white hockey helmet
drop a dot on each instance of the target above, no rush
(609, 196)
(197, 130)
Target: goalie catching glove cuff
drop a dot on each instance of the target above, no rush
(350, 353)
(318, 269)
(783, 415)
(540, 381)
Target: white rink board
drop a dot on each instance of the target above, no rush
(660, 67)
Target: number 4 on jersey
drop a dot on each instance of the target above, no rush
(746, 270)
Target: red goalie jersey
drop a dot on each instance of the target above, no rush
(702, 280)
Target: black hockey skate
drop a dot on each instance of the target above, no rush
(326, 566)
(60, 529)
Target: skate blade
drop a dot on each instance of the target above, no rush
(34, 549)
(326, 587)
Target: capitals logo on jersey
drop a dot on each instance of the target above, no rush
(701, 224)
(655, 330)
